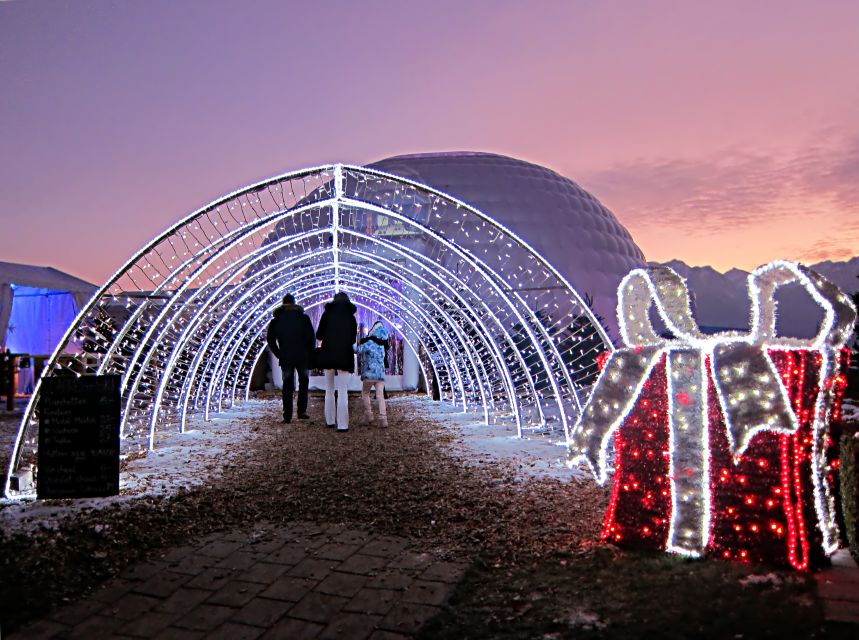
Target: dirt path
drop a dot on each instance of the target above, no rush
(534, 568)
(402, 481)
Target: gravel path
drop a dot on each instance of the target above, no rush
(412, 480)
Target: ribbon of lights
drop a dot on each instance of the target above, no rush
(157, 338)
(270, 277)
(501, 328)
(386, 301)
(301, 277)
(720, 392)
(316, 287)
(322, 287)
(391, 320)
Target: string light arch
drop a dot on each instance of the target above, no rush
(183, 321)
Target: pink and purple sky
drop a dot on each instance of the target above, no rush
(721, 133)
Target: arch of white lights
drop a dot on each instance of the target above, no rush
(183, 322)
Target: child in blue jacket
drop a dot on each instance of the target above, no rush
(373, 350)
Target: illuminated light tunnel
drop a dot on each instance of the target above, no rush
(183, 322)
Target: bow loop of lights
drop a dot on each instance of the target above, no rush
(183, 322)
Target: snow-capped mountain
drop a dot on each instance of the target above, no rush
(720, 300)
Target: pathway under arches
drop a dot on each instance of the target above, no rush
(183, 321)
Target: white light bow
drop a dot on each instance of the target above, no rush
(751, 394)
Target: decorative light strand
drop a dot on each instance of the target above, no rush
(760, 397)
(491, 288)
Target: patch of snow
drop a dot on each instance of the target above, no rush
(849, 411)
(580, 619)
(180, 461)
(765, 579)
(206, 449)
(535, 455)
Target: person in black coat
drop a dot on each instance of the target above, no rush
(337, 330)
(290, 338)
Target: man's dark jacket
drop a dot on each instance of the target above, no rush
(337, 329)
(290, 336)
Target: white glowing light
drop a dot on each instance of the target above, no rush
(181, 321)
(746, 380)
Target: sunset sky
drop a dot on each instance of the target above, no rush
(721, 133)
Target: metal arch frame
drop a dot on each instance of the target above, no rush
(217, 364)
(238, 236)
(476, 264)
(494, 223)
(269, 272)
(216, 247)
(381, 314)
(250, 230)
(392, 302)
(260, 255)
(315, 268)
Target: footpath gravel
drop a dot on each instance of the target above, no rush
(412, 480)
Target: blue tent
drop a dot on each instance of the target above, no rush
(37, 305)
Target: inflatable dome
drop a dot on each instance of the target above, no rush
(567, 225)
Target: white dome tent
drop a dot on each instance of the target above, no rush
(183, 322)
(562, 222)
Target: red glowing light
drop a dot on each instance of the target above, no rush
(760, 503)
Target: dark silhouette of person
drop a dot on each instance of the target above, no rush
(337, 330)
(290, 338)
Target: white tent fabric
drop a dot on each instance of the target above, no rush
(37, 305)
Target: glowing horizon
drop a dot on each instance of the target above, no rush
(719, 135)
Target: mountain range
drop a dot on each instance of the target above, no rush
(721, 301)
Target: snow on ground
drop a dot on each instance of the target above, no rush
(535, 455)
(850, 411)
(180, 460)
(206, 449)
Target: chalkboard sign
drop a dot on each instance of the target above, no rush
(78, 437)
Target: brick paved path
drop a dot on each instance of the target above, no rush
(296, 581)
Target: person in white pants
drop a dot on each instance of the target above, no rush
(337, 330)
(337, 380)
(373, 350)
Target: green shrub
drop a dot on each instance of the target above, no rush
(849, 480)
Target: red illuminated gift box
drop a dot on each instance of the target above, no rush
(721, 442)
(762, 509)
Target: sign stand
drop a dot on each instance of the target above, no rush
(79, 437)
